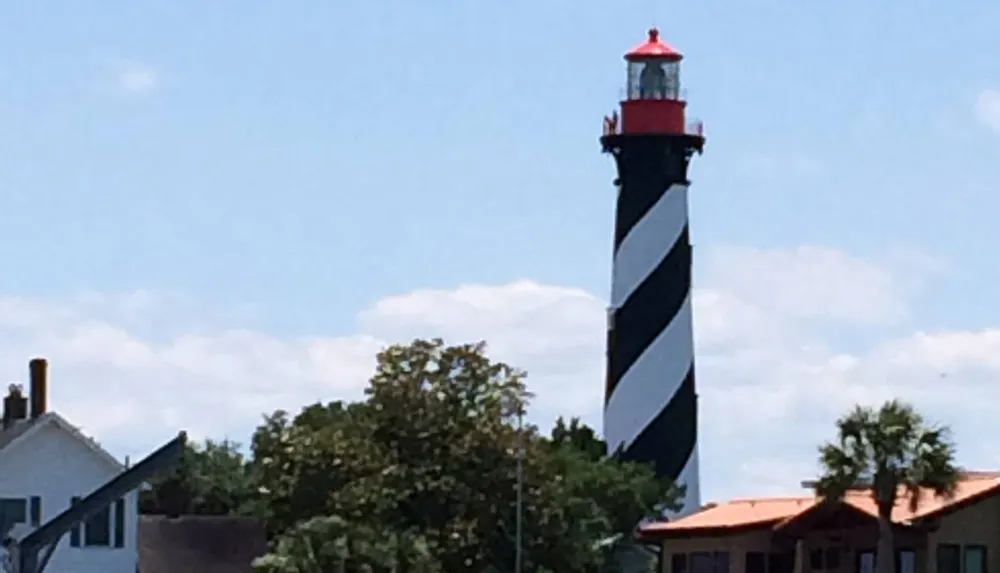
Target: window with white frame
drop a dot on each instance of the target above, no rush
(106, 528)
(15, 510)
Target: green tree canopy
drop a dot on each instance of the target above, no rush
(578, 436)
(212, 478)
(431, 455)
(333, 545)
(892, 451)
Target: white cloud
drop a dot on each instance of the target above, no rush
(555, 333)
(133, 368)
(136, 78)
(809, 283)
(987, 109)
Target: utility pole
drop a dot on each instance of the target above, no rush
(519, 489)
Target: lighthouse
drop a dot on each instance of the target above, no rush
(650, 402)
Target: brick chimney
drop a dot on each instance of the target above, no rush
(15, 406)
(39, 390)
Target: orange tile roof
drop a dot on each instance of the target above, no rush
(970, 486)
(738, 513)
(748, 513)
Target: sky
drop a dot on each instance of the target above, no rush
(208, 212)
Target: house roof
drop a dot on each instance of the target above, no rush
(11, 434)
(26, 428)
(744, 514)
(200, 544)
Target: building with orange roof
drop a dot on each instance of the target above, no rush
(960, 534)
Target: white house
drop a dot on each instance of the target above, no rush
(48, 464)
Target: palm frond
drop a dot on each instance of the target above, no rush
(892, 450)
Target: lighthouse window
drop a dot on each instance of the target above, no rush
(672, 82)
(653, 79)
(634, 71)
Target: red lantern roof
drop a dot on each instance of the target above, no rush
(654, 48)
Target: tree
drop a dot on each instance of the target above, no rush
(320, 463)
(894, 452)
(212, 478)
(431, 454)
(331, 544)
(579, 436)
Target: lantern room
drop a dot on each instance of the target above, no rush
(654, 70)
(653, 101)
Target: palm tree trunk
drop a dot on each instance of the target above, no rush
(885, 556)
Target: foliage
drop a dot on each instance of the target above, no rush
(432, 452)
(894, 452)
(332, 544)
(212, 478)
(580, 437)
(421, 476)
(623, 554)
(309, 465)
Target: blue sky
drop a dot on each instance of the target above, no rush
(310, 159)
(316, 157)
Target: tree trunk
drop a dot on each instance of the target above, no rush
(885, 556)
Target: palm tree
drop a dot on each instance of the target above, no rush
(890, 451)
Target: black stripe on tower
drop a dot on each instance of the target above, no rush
(647, 166)
(668, 442)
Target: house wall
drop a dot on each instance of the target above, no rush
(977, 524)
(735, 545)
(57, 466)
(851, 541)
(864, 539)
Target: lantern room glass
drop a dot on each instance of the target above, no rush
(654, 79)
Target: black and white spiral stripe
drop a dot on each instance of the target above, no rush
(650, 402)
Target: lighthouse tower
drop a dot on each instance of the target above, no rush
(650, 404)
